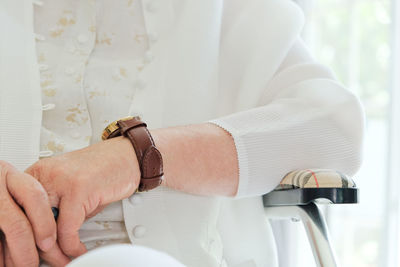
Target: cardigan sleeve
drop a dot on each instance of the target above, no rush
(305, 119)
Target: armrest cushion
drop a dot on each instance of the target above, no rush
(302, 187)
(315, 178)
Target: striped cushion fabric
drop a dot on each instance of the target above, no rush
(315, 178)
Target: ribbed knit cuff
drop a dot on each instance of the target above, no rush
(241, 156)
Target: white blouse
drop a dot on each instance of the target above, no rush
(238, 64)
(88, 83)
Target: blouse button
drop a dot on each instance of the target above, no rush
(75, 134)
(43, 67)
(48, 107)
(45, 153)
(139, 231)
(148, 57)
(82, 38)
(135, 199)
(38, 2)
(69, 71)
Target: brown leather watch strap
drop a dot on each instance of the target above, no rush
(149, 158)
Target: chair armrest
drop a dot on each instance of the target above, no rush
(313, 185)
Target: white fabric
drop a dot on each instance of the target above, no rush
(213, 59)
(20, 106)
(123, 256)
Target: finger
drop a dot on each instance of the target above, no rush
(29, 194)
(55, 257)
(19, 239)
(7, 257)
(70, 220)
(96, 211)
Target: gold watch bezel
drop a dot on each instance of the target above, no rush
(113, 126)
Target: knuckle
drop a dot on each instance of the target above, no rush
(38, 168)
(37, 194)
(33, 193)
(5, 168)
(46, 169)
(36, 189)
(5, 164)
(56, 171)
(17, 229)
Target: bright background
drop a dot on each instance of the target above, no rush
(359, 40)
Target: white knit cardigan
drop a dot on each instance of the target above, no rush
(303, 117)
(238, 64)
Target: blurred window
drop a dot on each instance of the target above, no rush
(355, 39)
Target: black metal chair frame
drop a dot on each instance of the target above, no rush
(301, 204)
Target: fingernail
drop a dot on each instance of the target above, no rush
(47, 243)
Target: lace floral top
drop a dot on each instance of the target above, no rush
(89, 77)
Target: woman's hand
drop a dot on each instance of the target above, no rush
(81, 183)
(20, 230)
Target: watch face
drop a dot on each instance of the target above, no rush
(113, 127)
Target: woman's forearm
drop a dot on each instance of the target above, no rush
(198, 159)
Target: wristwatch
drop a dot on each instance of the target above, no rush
(148, 156)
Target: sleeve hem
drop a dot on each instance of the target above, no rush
(241, 153)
